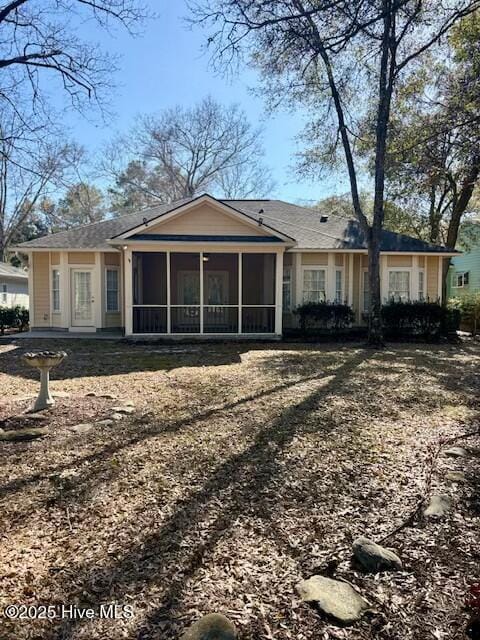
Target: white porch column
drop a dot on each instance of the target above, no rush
(201, 292)
(415, 279)
(297, 274)
(98, 283)
(440, 260)
(350, 279)
(279, 293)
(65, 298)
(127, 262)
(31, 301)
(240, 292)
(331, 277)
(169, 302)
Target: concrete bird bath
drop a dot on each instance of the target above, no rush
(44, 361)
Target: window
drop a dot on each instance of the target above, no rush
(314, 285)
(339, 286)
(4, 293)
(421, 285)
(287, 289)
(399, 285)
(112, 289)
(366, 293)
(461, 279)
(55, 290)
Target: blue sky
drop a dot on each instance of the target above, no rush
(166, 66)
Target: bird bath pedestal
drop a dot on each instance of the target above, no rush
(44, 360)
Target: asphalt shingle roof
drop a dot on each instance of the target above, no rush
(12, 272)
(300, 223)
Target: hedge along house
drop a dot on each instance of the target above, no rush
(208, 267)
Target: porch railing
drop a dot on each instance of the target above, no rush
(187, 319)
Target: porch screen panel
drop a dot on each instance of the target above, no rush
(258, 292)
(149, 282)
(185, 292)
(149, 278)
(220, 292)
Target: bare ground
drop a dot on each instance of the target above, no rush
(244, 469)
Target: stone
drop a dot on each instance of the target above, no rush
(456, 476)
(374, 558)
(335, 598)
(108, 396)
(44, 361)
(125, 410)
(23, 435)
(91, 394)
(129, 403)
(60, 394)
(105, 423)
(456, 452)
(117, 416)
(83, 427)
(439, 506)
(213, 626)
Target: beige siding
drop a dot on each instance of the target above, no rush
(339, 259)
(81, 257)
(288, 259)
(314, 258)
(55, 257)
(421, 262)
(112, 259)
(399, 261)
(432, 277)
(41, 289)
(205, 220)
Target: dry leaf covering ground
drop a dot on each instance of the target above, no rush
(243, 469)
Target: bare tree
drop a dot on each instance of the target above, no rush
(184, 151)
(39, 44)
(335, 54)
(30, 168)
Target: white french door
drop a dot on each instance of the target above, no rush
(82, 298)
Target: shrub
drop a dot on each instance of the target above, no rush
(324, 316)
(468, 306)
(13, 318)
(427, 320)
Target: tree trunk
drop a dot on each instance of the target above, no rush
(375, 328)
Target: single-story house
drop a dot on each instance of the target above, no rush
(210, 267)
(13, 286)
(464, 274)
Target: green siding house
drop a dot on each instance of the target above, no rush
(464, 274)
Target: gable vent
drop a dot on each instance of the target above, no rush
(323, 218)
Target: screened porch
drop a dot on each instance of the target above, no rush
(203, 293)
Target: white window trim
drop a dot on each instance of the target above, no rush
(342, 271)
(456, 275)
(314, 267)
(107, 269)
(289, 269)
(400, 269)
(53, 268)
(424, 293)
(363, 271)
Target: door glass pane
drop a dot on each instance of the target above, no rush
(185, 278)
(220, 278)
(82, 295)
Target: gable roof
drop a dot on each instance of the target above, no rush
(293, 221)
(8, 270)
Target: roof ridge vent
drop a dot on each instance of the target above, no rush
(324, 218)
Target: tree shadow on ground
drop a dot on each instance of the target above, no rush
(241, 483)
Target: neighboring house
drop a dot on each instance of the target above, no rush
(464, 274)
(210, 267)
(13, 286)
